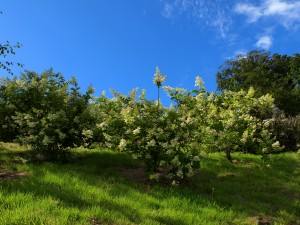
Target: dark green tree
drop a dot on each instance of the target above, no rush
(276, 74)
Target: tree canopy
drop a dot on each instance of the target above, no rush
(276, 74)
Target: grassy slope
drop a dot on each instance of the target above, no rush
(93, 189)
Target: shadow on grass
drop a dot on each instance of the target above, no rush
(92, 170)
(252, 186)
(252, 189)
(12, 155)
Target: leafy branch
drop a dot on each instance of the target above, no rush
(6, 50)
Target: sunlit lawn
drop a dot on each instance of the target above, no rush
(105, 187)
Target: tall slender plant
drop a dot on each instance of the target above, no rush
(158, 80)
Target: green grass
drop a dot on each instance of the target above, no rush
(95, 188)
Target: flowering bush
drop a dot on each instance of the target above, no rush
(50, 114)
(160, 138)
(233, 122)
(168, 140)
(109, 124)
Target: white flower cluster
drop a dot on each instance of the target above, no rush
(173, 138)
(87, 133)
(158, 78)
(122, 144)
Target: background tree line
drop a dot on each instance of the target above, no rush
(278, 75)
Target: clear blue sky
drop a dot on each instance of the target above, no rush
(117, 43)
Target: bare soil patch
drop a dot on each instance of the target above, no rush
(237, 161)
(135, 175)
(6, 175)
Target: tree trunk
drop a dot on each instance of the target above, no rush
(228, 155)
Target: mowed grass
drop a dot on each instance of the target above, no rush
(104, 187)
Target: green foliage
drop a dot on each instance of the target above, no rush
(44, 111)
(275, 74)
(286, 130)
(157, 136)
(170, 140)
(237, 124)
(51, 115)
(227, 122)
(6, 50)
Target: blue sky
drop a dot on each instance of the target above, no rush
(117, 43)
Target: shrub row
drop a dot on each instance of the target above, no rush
(51, 115)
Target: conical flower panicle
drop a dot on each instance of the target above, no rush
(159, 78)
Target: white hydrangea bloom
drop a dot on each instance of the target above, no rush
(32, 124)
(158, 78)
(122, 144)
(137, 130)
(102, 125)
(164, 145)
(169, 152)
(46, 140)
(199, 82)
(276, 144)
(87, 133)
(151, 143)
(109, 145)
(179, 173)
